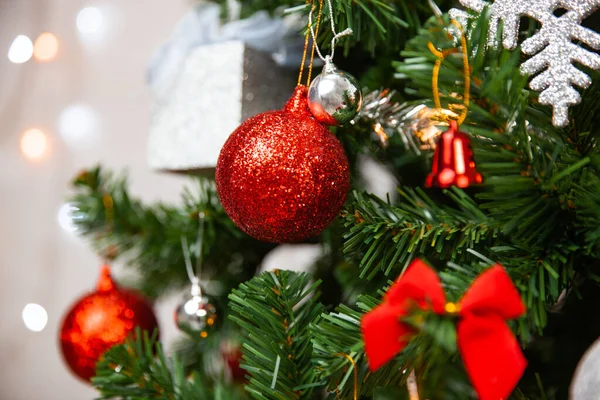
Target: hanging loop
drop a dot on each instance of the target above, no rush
(194, 278)
(336, 36)
(441, 56)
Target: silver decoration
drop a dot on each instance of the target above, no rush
(417, 125)
(216, 89)
(586, 381)
(334, 96)
(196, 316)
(552, 46)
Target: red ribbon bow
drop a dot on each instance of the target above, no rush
(492, 356)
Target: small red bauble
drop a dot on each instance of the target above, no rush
(453, 163)
(282, 176)
(232, 356)
(100, 320)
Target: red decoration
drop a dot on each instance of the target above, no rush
(282, 176)
(232, 355)
(453, 163)
(100, 320)
(490, 352)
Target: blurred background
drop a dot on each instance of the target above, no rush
(72, 94)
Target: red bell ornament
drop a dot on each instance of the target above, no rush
(453, 163)
(99, 320)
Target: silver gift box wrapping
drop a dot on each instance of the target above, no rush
(219, 86)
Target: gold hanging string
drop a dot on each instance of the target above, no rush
(314, 46)
(441, 56)
(303, 59)
(355, 373)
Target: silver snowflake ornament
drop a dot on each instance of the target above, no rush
(552, 49)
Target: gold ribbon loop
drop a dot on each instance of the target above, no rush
(441, 56)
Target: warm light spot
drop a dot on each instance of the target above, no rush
(89, 20)
(462, 181)
(210, 321)
(20, 50)
(446, 142)
(446, 177)
(459, 157)
(35, 317)
(203, 334)
(34, 144)
(46, 47)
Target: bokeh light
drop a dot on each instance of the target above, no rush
(78, 125)
(20, 50)
(45, 47)
(35, 317)
(34, 144)
(90, 20)
(65, 217)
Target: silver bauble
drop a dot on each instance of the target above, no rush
(334, 96)
(196, 316)
(586, 381)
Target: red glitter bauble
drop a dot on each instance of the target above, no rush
(100, 320)
(282, 176)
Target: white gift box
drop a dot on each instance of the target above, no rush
(217, 88)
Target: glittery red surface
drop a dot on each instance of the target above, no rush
(99, 321)
(282, 176)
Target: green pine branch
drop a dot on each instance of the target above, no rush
(386, 238)
(139, 370)
(377, 25)
(148, 237)
(530, 169)
(274, 310)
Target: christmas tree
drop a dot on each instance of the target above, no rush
(475, 278)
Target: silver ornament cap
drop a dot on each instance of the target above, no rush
(334, 96)
(196, 315)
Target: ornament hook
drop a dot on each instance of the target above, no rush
(336, 36)
(194, 278)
